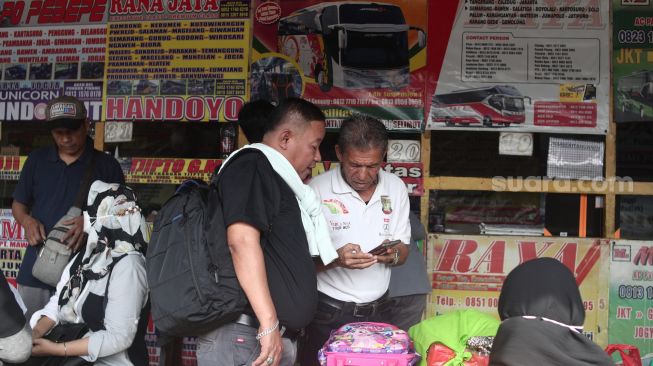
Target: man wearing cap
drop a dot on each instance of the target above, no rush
(49, 181)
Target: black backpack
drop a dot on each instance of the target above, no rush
(193, 284)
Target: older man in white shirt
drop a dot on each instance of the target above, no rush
(364, 207)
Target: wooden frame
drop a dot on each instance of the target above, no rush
(610, 188)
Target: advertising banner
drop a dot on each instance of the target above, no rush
(41, 63)
(540, 65)
(631, 296)
(411, 173)
(10, 167)
(12, 245)
(176, 171)
(467, 271)
(25, 13)
(632, 63)
(344, 56)
(177, 60)
(167, 170)
(468, 211)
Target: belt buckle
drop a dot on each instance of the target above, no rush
(364, 310)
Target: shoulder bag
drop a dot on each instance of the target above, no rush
(59, 334)
(54, 253)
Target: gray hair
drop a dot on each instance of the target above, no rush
(362, 132)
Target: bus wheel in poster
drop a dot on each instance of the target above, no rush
(641, 112)
(448, 123)
(487, 121)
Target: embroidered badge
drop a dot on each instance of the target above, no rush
(63, 110)
(386, 205)
(335, 206)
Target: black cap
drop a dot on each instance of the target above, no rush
(65, 112)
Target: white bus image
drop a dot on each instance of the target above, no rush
(497, 104)
(350, 44)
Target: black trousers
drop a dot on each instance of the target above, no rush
(331, 315)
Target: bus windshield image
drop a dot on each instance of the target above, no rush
(499, 104)
(350, 45)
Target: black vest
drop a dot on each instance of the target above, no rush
(93, 311)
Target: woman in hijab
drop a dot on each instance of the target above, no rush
(542, 319)
(104, 286)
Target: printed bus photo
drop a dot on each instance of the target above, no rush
(353, 45)
(635, 94)
(498, 104)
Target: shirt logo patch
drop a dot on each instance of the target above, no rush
(335, 206)
(386, 205)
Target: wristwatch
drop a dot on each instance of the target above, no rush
(395, 260)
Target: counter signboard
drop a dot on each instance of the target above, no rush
(631, 295)
(467, 271)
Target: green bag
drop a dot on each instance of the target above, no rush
(453, 330)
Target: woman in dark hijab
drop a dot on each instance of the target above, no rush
(542, 319)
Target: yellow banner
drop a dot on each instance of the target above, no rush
(186, 70)
(467, 271)
(10, 166)
(168, 170)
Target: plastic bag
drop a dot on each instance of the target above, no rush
(629, 354)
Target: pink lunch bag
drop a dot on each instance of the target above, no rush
(368, 344)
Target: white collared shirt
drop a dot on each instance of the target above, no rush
(351, 220)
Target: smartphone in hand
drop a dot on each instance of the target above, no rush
(381, 249)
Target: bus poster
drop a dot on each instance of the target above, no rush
(533, 66)
(344, 56)
(632, 60)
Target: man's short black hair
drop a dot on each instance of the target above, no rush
(254, 117)
(301, 108)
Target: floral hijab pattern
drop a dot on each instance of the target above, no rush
(115, 227)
